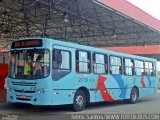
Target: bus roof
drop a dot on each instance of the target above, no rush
(89, 48)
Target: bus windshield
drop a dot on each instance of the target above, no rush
(29, 64)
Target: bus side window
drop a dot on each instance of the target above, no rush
(83, 61)
(139, 68)
(99, 63)
(77, 63)
(57, 58)
(115, 65)
(149, 68)
(128, 65)
(61, 63)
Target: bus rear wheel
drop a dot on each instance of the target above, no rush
(79, 102)
(134, 96)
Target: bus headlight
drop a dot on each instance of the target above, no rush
(5, 85)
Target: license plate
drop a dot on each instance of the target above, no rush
(23, 96)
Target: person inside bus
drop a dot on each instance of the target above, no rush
(28, 65)
(37, 67)
(57, 59)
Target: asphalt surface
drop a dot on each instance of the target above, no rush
(150, 104)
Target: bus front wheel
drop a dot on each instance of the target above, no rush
(79, 102)
(134, 96)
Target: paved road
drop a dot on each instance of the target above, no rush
(149, 104)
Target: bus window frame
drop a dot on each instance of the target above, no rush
(139, 67)
(153, 66)
(90, 62)
(106, 64)
(70, 57)
(121, 58)
(133, 68)
(70, 65)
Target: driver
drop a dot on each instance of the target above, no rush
(38, 67)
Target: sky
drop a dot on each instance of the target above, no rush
(152, 7)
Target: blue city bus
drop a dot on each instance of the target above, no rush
(46, 72)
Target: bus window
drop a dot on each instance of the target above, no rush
(115, 65)
(57, 58)
(149, 69)
(139, 68)
(61, 63)
(100, 65)
(128, 66)
(61, 59)
(29, 64)
(83, 62)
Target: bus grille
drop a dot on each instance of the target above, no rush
(24, 83)
(26, 91)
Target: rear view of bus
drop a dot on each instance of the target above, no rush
(28, 72)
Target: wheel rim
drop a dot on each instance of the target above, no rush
(79, 101)
(134, 96)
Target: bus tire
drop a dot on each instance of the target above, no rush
(79, 102)
(133, 96)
